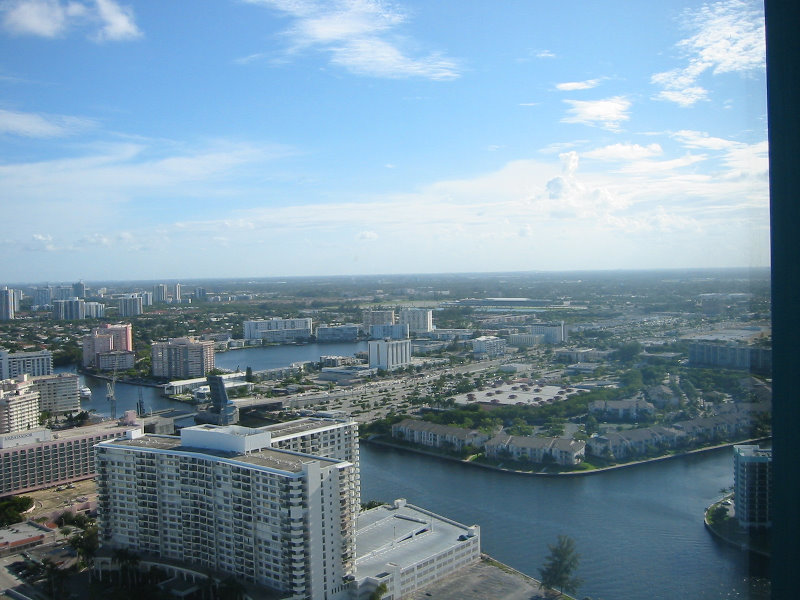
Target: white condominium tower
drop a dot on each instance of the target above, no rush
(19, 405)
(278, 330)
(59, 394)
(222, 499)
(7, 305)
(14, 364)
(419, 320)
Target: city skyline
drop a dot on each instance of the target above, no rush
(275, 138)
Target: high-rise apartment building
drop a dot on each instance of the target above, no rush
(419, 320)
(130, 306)
(19, 405)
(177, 297)
(106, 339)
(222, 499)
(95, 310)
(200, 294)
(377, 317)
(42, 296)
(59, 394)
(63, 292)
(69, 310)
(7, 305)
(554, 333)
(159, 293)
(393, 332)
(182, 358)
(35, 459)
(389, 354)
(752, 485)
(79, 290)
(275, 507)
(15, 364)
(278, 330)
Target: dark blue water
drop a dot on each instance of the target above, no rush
(639, 531)
(126, 395)
(273, 357)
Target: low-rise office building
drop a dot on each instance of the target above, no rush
(407, 548)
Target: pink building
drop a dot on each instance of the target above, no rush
(107, 338)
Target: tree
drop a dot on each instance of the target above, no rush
(559, 566)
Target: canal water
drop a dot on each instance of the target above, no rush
(274, 357)
(639, 531)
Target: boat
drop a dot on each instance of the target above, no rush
(86, 393)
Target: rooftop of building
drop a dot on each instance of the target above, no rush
(752, 451)
(79, 432)
(280, 460)
(299, 426)
(404, 536)
(19, 532)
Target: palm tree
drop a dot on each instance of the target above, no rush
(128, 563)
(230, 589)
(56, 577)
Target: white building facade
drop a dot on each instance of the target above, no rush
(19, 405)
(389, 354)
(554, 333)
(220, 499)
(59, 394)
(278, 330)
(489, 345)
(419, 320)
(15, 364)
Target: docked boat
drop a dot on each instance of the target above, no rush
(86, 393)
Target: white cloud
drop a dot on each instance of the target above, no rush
(545, 54)
(697, 139)
(578, 85)
(52, 18)
(728, 37)
(529, 103)
(741, 159)
(118, 22)
(40, 126)
(359, 36)
(623, 152)
(369, 236)
(608, 113)
(661, 166)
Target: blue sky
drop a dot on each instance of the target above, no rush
(220, 138)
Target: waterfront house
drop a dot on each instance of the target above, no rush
(437, 436)
(536, 449)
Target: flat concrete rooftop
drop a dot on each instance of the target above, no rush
(281, 460)
(290, 428)
(403, 536)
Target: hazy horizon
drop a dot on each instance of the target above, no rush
(148, 140)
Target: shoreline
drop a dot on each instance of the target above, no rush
(381, 442)
(743, 546)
